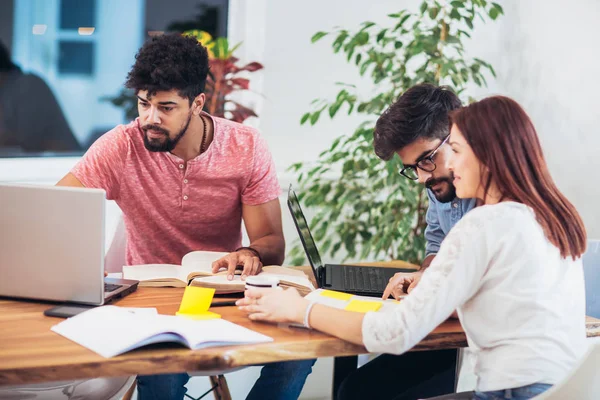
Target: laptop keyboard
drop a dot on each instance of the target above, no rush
(109, 287)
(363, 279)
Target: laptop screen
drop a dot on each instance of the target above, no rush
(310, 247)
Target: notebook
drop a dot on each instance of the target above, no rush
(111, 330)
(365, 281)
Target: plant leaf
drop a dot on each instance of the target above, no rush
(318, 36)
(304, 118)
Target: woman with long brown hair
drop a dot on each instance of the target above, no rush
(511, 267)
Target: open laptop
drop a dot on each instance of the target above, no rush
(364, 281)
(52, 245)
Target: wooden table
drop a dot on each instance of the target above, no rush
(30, 352)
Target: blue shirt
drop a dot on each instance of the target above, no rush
(441, 217)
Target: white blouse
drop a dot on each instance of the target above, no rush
(520, 303)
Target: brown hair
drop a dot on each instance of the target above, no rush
(421, 112)
(504, 139)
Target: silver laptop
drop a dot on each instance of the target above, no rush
(52, 245)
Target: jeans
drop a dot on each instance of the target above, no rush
(408, 376)
(277, 381)
(520, 393)
(158, 387)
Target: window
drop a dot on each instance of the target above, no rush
(75, 57)
(70, 60)
(77, 13)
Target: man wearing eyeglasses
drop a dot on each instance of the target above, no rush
(416, 128)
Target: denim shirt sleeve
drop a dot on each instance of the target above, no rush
(433, 232)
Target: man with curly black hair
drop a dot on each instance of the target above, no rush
(185, 180)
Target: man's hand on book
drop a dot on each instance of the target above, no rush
(244, 258)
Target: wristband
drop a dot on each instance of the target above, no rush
(252, 250)
(307, 314)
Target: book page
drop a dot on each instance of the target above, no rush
(199, 263)
(279, 270)
(110, 330)
(219, 332)
(221, 280)
(294, 281)
(154, 272)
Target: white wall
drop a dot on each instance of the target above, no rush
(544, 51)
(547, 60)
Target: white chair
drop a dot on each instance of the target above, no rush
(89, 389)
(591, 270)
(583, 383)
(115, 255)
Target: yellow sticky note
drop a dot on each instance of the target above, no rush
(336, 295)
(200, 316)
(363, 306)
(196, 302)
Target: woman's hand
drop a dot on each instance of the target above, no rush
(401, 284)
(274, 305)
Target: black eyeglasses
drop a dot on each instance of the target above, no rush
(425, 164)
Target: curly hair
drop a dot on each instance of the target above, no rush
(421, 112)
(167, 62)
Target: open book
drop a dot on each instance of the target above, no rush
(197, 267)
(196, 263)
(112, 330)
(288, 277)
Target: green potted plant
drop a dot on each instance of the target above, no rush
(225, 77)
(363, 206)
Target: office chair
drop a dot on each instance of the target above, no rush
(88, 389)
(583, 383)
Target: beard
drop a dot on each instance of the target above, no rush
(443, 195)
(167, 144)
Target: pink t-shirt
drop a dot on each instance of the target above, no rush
(171, 208)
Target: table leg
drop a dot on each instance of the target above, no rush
(342, 367)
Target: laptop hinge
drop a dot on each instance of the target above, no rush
(322, 271)
(320, 276)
